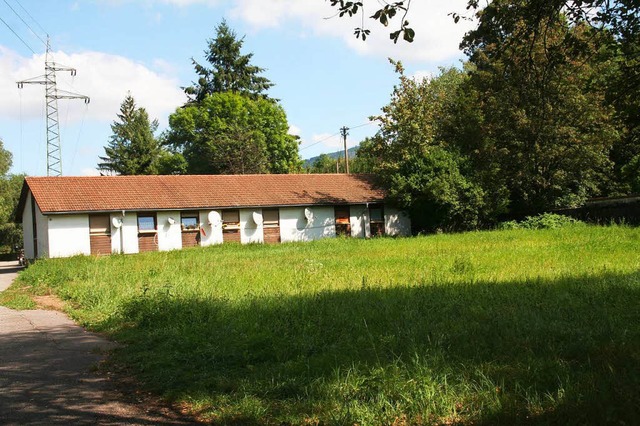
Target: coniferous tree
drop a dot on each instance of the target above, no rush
(229, 71)
(133, 149)
(230, 125)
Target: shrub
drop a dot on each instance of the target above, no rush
(541, 221)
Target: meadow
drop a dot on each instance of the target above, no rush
(501, 327)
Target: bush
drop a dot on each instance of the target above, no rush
(541, 221)
(438, 196)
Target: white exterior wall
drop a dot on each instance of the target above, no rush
(42, 228)
(359, 218)
(169, 236)
(125, 239)
(250, 231)
(213, 231)
(396, 222)
(294, 226)
(116, 233)
(68, 235)
(27, 229)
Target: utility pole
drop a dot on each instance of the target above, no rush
(344, 131)
(52, 94)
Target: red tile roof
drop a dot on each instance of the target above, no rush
(113, 193)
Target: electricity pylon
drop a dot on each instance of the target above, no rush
(52, 94)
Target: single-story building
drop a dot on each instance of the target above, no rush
(66, 216)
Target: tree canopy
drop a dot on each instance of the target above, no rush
(621, 17)
(10, 186)
(229, 70)
(228, 133)
(230, 125)
(6, 159)
(423, 172)
(544, 115)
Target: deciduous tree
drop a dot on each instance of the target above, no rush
(545, 122)
(228, 133)
(424, 173)
(10, 185)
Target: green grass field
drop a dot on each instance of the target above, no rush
(504, 327)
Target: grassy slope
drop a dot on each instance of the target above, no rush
(489, 327)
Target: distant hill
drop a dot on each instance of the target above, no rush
(350, 151)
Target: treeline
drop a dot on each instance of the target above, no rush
(229, 125)
(10, 185)
(543, 115)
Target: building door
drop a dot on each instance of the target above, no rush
(376, 220)
(343, 221)
(100, 234)
(271, 225)
(147, 232)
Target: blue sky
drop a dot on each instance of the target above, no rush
(324, 77)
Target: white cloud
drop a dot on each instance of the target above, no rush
(279, 11)
(328, 140)
(437, 36)
(165, 68)
(185, 3)
(294, 130)
(103, 77)
(89, 172)
(422, 75)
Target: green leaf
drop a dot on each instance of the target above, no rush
(409, 34)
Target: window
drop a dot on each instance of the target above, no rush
(146, 223)
(270, 218)
(189, 221)
(230, 219)
(342, 215)
(99, 224)
(375, 214)
(376, 219)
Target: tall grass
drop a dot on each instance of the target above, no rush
(529, 327)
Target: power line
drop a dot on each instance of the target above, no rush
(368, 123)
(32, 18)
(320, 141)
(24, 22)
(20, 38)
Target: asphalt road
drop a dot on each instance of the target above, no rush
(48, 373)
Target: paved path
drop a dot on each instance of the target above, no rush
(47, 373)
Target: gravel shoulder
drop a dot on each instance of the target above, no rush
(49, 374)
